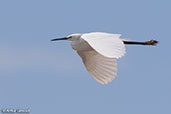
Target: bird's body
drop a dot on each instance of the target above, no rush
(80, 45)
(99, 52)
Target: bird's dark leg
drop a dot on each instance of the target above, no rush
(151, 42)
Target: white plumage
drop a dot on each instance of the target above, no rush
(103, 69)
(108, 45)
(99, 52)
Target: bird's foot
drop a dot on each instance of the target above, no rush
(151, 42)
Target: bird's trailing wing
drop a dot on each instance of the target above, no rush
(103, 69)
(108, 45)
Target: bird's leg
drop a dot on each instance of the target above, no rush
(151, 42)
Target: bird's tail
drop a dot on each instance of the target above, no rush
(125, 39)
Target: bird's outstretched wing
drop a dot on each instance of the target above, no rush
(108, 45)
(103, 69)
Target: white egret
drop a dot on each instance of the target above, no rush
(99, 52)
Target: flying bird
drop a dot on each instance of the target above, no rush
(99, 51)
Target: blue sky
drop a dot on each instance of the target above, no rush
(49, 77)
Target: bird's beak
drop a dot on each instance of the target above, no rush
(65, 38)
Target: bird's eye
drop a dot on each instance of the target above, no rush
(69, 37)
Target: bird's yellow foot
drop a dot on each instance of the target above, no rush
(151, 42)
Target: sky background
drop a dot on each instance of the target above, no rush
(49, 77)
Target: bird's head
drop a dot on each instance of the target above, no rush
(71, 37)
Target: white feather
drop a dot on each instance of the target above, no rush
(125, 39)
(108, 45)
(99, 52)
(103, 69)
